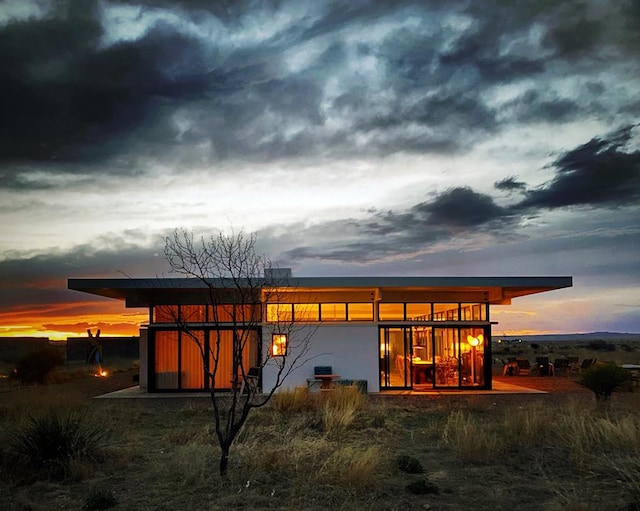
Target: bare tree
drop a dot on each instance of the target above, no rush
(237, 282)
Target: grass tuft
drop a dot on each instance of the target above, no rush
(341, 408)
(49, 443)
(295, 400)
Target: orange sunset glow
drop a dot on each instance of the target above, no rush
(59, 321)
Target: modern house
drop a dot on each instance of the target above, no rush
(414, 333)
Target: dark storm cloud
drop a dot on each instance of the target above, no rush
(68, 97)
(533, 107)
(385, 233)
(65, 98)
(510, 184)
(42, 279)
(599, 173)
(602, 173)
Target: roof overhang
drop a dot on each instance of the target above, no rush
(494, 290)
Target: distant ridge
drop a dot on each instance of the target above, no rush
(591, 336)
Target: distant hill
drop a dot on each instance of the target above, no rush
(592, 336)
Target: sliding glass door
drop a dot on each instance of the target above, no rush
(425, 357)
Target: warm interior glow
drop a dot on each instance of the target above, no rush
(279, 345)
(475, 341)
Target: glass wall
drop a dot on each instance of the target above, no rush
(179, 357)
(166, 360)
(395, 359)
(333, 311)
(423, 358)
(349, 311)
(472, 348)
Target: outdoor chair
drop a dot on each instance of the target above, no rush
(573, 364)
(561, 366)
(509, 368)
(587, 363)
(250, 380)
(543, 367)
(524, 367)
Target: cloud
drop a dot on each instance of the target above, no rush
(192, 84)
(602, 172)
(510, 184)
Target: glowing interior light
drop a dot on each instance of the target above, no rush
(279, 345)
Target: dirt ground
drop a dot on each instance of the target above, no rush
(88, 387)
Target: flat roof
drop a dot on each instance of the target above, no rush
(147, 291)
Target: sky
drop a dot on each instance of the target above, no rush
(413, 138)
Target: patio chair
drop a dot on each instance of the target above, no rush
(573, 364)
(524, 367)
(543, 367)
(561, 366)
(509, 368)
(250, 381)
(587, 363)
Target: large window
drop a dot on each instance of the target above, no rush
(391, 311)
(166, 360)
(333, 311)
(419, 311)
(179, 357)
(445, 312)
(279, 312)
(306, 312)
(165, 314)
(360, 312)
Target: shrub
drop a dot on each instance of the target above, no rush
(422, 487)
(98, 500)
(33, 367)
(604, 379)
(409, 464)
(601, 346)
(50, 443)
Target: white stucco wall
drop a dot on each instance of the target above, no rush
(351, 350)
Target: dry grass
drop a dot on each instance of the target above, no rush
(337, 451)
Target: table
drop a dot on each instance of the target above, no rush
(422, 371)
(326, 379)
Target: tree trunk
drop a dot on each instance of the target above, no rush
(224, 460)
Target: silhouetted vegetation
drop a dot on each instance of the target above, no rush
(604, 379)
(409, 464)
(34, 366)
(601, 346)
(99, 499)
(47, 444)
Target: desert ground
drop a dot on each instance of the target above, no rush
(554, 450)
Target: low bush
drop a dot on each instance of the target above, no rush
(49, 443)
(98, 500)
(601, 346)
(34, 366)
(422, 487)
(604, 379)
(409, 464)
